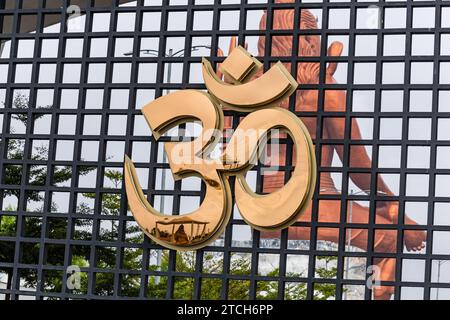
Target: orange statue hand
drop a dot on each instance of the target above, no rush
(335, 50)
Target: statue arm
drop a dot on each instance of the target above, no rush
(358, 157)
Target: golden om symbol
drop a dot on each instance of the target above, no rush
(260, 97)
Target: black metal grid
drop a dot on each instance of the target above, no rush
(14, 264)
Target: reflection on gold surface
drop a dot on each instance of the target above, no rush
(261, 95)
(189, 231)
(180, 236)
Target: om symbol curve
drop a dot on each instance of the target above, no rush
(260, 97)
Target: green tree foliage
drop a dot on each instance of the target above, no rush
(325, 291)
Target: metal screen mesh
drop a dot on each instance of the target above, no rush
(70, 99)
